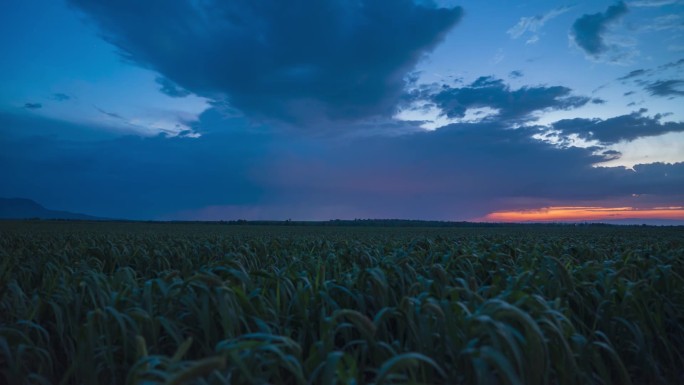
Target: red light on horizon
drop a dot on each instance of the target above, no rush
(585, 213)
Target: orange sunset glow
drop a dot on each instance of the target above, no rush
(585, 213)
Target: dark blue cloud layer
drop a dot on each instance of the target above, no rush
(123, 177)
(300, 61)
(588, 30)
(461, 171)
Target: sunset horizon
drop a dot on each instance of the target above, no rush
(575, 214)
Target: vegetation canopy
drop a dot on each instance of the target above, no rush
(184, 303)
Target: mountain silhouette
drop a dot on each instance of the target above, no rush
(20, 208)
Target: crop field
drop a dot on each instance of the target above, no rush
(145, 303)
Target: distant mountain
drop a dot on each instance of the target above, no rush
(18, 208)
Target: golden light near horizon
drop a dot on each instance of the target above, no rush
(585, 213)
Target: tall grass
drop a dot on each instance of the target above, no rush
(199, 304)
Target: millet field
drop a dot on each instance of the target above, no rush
(197, 303)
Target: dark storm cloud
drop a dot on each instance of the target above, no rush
(33, 106)
(298, 61)
(461, 171)
(672, 88)
(588, 30)
(513, 105)
(170, 88)
(624, 127)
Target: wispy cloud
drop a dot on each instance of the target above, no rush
(643, 77)
(634, 74)
(654, 3)
(532, 25)
(666, 23)
(675, 64)
(111, 114)
(671, 88)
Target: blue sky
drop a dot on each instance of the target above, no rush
(327, 109)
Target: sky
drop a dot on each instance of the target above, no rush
(328, 109)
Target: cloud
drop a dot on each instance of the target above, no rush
(634, 74)
(110, 114)
(533, 24)
(666, 148)
(170, 88)
(461, 171)
(33, 106)
(671, 68)
(611, 154)
(148, 128)
(671, 88)
(125, 176)
(587, 31)
(60, 97)
(665, 88)
(673, 64)
(299, 62)
(654, 3)
(619, 128)
(515, 74)
(36, 126)
(513, 105)
(665, 23)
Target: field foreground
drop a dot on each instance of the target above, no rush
(137, 303)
